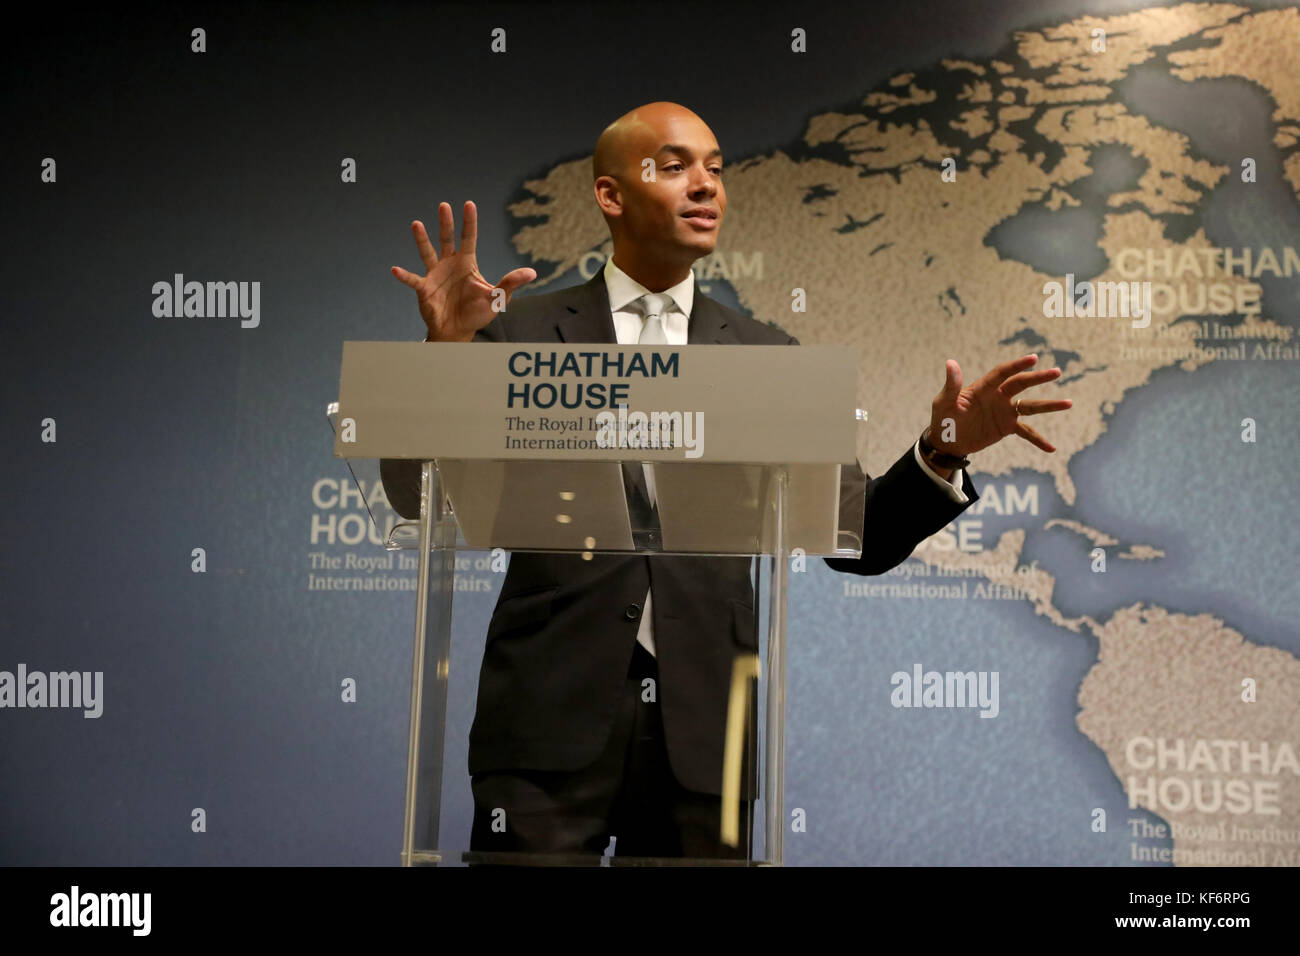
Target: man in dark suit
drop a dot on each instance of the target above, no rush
(603, 690)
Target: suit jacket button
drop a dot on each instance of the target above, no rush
(633, 612)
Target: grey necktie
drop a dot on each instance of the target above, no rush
(652, 307)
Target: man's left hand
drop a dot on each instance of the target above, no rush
(985, 413)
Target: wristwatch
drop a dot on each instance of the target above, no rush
(942, 459)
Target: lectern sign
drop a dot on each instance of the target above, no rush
(596, 402)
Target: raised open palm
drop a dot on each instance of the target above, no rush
(455, 300)
(984, 413)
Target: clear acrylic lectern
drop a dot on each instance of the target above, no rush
(623, 500)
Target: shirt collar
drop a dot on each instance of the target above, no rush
(624, 290)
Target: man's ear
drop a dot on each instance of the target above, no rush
(609, 197)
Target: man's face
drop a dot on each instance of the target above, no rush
(677, 216)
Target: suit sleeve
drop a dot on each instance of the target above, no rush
(401, 476)
(904, 506)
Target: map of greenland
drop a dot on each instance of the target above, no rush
(1199, 725)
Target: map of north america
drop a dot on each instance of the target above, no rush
(905, 223)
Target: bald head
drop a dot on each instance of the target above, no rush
(658, 183)
(637, 134)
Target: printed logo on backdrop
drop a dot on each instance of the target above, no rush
(1208, 285)
(937, 572)
(345, 550)
(730, 266)
(1223, 800)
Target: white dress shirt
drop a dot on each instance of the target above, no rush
(623, 292)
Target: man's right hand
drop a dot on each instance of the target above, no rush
(455, 300)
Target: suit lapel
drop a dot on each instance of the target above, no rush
(709, 324)
(586, 316)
